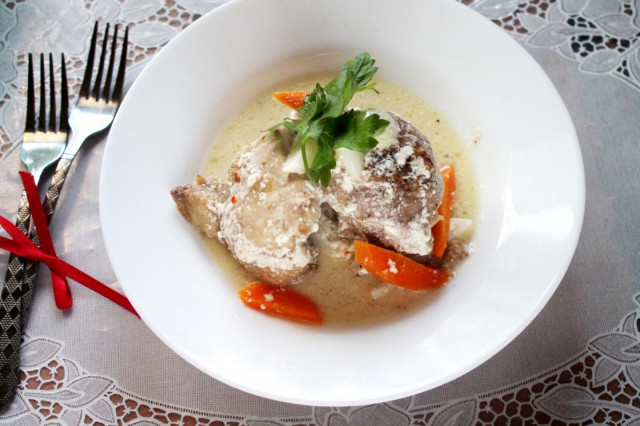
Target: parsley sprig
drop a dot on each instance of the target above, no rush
(323, 118)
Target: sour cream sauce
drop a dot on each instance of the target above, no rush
(345, 294)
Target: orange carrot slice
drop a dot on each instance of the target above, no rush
(291, 99)
(281, 302)
(398, 269)
(440, 230)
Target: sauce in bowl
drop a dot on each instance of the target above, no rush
(345, 294)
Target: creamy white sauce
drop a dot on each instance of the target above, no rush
(343, 292)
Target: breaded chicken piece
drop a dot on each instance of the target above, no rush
(199, 203)
(394, 201)
(263, 215)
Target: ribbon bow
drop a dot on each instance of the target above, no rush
(22, 246)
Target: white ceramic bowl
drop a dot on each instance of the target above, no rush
(529, 169)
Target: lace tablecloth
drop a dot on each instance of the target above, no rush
(577, 363)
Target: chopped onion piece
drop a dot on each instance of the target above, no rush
(352, 161)
(460, 227)
(293, 163)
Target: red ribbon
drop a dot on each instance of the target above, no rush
(22, 246)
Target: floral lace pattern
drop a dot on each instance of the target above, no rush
(56, 390)
(603, 36)
(600, 385)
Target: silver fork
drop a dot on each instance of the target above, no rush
(42, 146)
(93, 114)
(96, 107)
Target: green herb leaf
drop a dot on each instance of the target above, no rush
(323, 162)
(358, 131)
(363, 70)
(315, 104)
(323, 118)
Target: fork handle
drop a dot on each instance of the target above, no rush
(49, 204)
(17, 294)
(12, 313)
(55, 187)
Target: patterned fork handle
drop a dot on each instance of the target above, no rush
(49, 204)
(19, 284)
(11, 316)
(93, 114)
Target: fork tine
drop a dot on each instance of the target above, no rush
(43, 101)
(107, 83)
(52, 97)
(30, 122)
(117, 90)
(96, 87)
(64, 98)
(86, 80)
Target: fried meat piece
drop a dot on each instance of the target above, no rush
(395, 198)
(264, 216)
(199, 202)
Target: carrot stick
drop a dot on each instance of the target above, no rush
(281, 302)
(440, 230)
(291, 99)
(398, 269)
